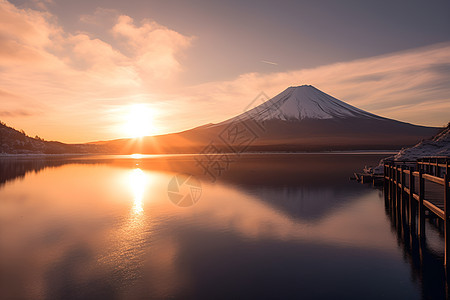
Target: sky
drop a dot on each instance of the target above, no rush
(80, 71)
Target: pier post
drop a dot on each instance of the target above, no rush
(446, 166)
(446, 230)
(412, 206)
(390, 181)
(401, 198)
(399, 195)
(396, 186)
(391, 167)
(387, 169)
(446, 220)
(421, 207)
(392, 191)
(438, 169)
(402, 176)
(396, 194)
(386, 185)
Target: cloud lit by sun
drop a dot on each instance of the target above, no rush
(139, 121)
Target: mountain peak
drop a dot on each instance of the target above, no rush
(301, 86)
(297, 103)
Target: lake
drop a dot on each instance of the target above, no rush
(254, 226)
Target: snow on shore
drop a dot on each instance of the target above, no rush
(439, 145)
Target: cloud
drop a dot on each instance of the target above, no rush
(25, 33)
(51, 68)
(31, 42)
(269, 62)
(154, 46)
(15, 113)
(100, 17)
(42, 5)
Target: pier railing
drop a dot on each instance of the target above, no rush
(419, 189)
(436, 166)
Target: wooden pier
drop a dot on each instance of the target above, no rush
(368, 178)
(418, 190)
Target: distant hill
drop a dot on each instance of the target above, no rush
(13, 141)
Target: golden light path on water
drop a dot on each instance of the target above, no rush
(128, 244)
(138, 183)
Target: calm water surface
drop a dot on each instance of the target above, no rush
(270, 227)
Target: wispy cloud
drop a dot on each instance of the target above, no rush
(269, 62)
(101, 17)
(15, 113)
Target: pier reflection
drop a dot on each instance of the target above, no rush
(426, 263)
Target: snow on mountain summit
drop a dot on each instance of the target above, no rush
(304, 102)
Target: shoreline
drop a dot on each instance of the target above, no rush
(141, 156)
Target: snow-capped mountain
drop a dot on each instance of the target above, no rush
(300, 118)
(304, 102)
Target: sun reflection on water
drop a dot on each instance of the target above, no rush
(138, 184)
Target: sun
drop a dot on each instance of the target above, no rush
(138, 121)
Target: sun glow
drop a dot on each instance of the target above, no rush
(139, 121)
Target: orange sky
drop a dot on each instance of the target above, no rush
(73, 82)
